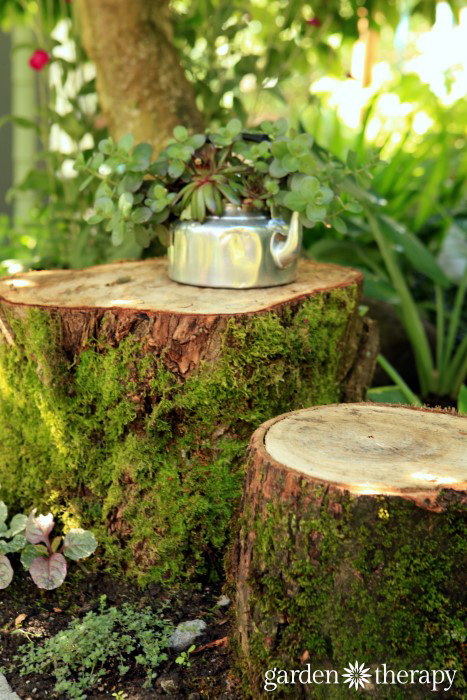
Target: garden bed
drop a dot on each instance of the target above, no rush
(26, 613)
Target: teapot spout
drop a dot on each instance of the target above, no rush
(285, 250)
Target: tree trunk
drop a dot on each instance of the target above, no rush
(141, 85)
(127, 400)
(352, 547)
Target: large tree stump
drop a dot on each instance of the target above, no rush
(353, 547)
(127, 400)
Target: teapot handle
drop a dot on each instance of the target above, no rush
(286, 249)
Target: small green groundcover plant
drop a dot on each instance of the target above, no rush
(109, 639)
(272, 168)
(42, 556)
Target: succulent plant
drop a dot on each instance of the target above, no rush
(270, 168)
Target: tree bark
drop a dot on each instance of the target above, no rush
(352, 546)
(141, 85)
(128, 400)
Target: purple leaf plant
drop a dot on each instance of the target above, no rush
(42, 557)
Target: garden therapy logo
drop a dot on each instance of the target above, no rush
(357, 675)
(360, 678)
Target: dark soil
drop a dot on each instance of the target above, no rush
(210, 675)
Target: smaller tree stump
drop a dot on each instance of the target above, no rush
(352, 545)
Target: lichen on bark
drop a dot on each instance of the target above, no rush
(108, 433)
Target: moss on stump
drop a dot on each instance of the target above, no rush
(127, 400)
(353, 547)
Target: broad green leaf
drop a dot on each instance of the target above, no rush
(276, 169)
(141, 157)
(18, 543)
(125, 203)
(279, 149)
(197, 140)
(308, 164)
(6, 571)
(462, 400)
(48, 573)
(104, 206)
(118, 231)
(176, 168)
(3, 512)
(309, 187)
(159, 192)
(180, 133)
(162, 232)
(339, 224)
(290, 163)
(295, 201)
(31, 552)
(141, 215)
(106, 147)
(158, 205)
(94, 219)
(18, 524)
(132, 182)
(104, 190)
(160, 166)
(234, 127)
(126, 142)
(301, 144)
(79, 544)
(387, 394)
(354, 207)
(325, 195)
(142, 236)
(315, 212)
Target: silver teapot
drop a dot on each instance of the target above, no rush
(241, 249)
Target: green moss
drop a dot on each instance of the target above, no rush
(112, 439)
(383, 583)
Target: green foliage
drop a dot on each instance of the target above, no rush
(183, 659)
(110, 455)
(80, 655)
(270, 168)
(462, 400)
(42, 557)
(281, 47)
(414, 214)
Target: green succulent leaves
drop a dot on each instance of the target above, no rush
(271, 168)
(43, 558)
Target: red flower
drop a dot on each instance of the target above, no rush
(315, 22)
(39, 59)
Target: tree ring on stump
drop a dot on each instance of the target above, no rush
(373, 449)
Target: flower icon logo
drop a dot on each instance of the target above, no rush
(356, 675)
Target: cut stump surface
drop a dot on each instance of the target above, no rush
(145, 286)
(131, 398)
